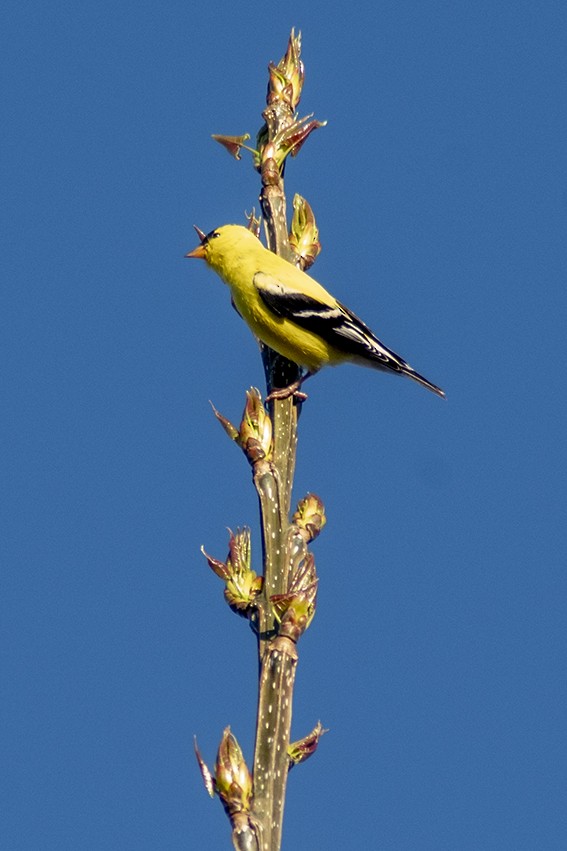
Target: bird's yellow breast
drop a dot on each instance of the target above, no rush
(296, 344)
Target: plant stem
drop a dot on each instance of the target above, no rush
(274, 481)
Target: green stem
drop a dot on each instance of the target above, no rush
(278, 654)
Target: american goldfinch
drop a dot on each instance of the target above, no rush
(290, 312)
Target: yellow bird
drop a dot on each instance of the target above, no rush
(290, 312)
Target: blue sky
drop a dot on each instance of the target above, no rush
(437, 656)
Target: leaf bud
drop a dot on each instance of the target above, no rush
(233, 780)
(309, 516)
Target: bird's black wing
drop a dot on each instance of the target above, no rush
(337, 325)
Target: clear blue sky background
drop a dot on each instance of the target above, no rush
(437, 657)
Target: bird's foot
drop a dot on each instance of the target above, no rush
(286, 392)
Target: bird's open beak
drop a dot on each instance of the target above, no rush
(198, 252)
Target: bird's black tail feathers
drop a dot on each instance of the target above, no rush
(411, 373)
(382, 358)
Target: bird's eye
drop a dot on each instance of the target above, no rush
(210, 236)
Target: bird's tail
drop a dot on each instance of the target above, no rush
(385, 359)
(411, 373)
(365, 348)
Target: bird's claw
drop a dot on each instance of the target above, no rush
(286, 392)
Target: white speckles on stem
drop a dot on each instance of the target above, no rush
(274, 489)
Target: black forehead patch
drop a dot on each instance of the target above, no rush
(211, 235)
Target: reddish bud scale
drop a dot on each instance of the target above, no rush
(301, 750)
(232, 144)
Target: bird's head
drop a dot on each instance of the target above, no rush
(221, 245)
